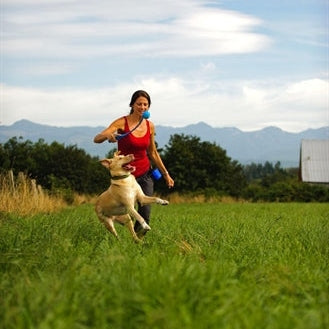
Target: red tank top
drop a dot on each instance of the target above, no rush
(136, 146)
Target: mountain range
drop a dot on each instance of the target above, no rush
(269, 144)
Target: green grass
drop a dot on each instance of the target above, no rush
(202, 266)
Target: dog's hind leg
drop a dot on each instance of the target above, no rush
(126, 220)
(108, 222)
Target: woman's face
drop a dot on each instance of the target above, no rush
(141, 105)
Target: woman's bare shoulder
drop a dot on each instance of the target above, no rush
(152, 127)
(120, 122)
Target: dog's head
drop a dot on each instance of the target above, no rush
(119, 165)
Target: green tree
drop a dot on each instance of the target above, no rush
(54, 166)
(199, 166)
(17, 155)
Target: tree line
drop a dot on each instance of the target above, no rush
(198, 167)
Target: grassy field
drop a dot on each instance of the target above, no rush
(202, 266)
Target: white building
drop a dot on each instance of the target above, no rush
(314, 161)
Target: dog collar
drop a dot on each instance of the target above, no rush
(120, 177)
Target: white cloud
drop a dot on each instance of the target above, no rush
(248, 105)
(62, 37)
(157, 28)
(208, 67)
(48, 69)
(312, 92)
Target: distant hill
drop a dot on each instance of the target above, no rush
(269, 144)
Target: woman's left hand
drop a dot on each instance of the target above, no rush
(170, 182)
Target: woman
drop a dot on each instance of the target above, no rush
(141, 144)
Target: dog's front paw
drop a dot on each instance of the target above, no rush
(145, 227)
(164, 202)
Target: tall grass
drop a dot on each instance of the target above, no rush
(23, 196)
(201, 266)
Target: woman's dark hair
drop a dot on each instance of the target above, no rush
(139, 93)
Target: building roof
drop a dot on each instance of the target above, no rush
(314, 161)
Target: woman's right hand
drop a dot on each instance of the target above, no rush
(112, 138)
(110, 132)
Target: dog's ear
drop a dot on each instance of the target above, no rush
(117, 153)
(106, 163)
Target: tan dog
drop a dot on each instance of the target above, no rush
(117, 203)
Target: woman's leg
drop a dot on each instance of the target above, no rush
(147, 185)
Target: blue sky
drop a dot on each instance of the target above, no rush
(232, 63)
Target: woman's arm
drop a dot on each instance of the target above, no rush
(110, 132)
